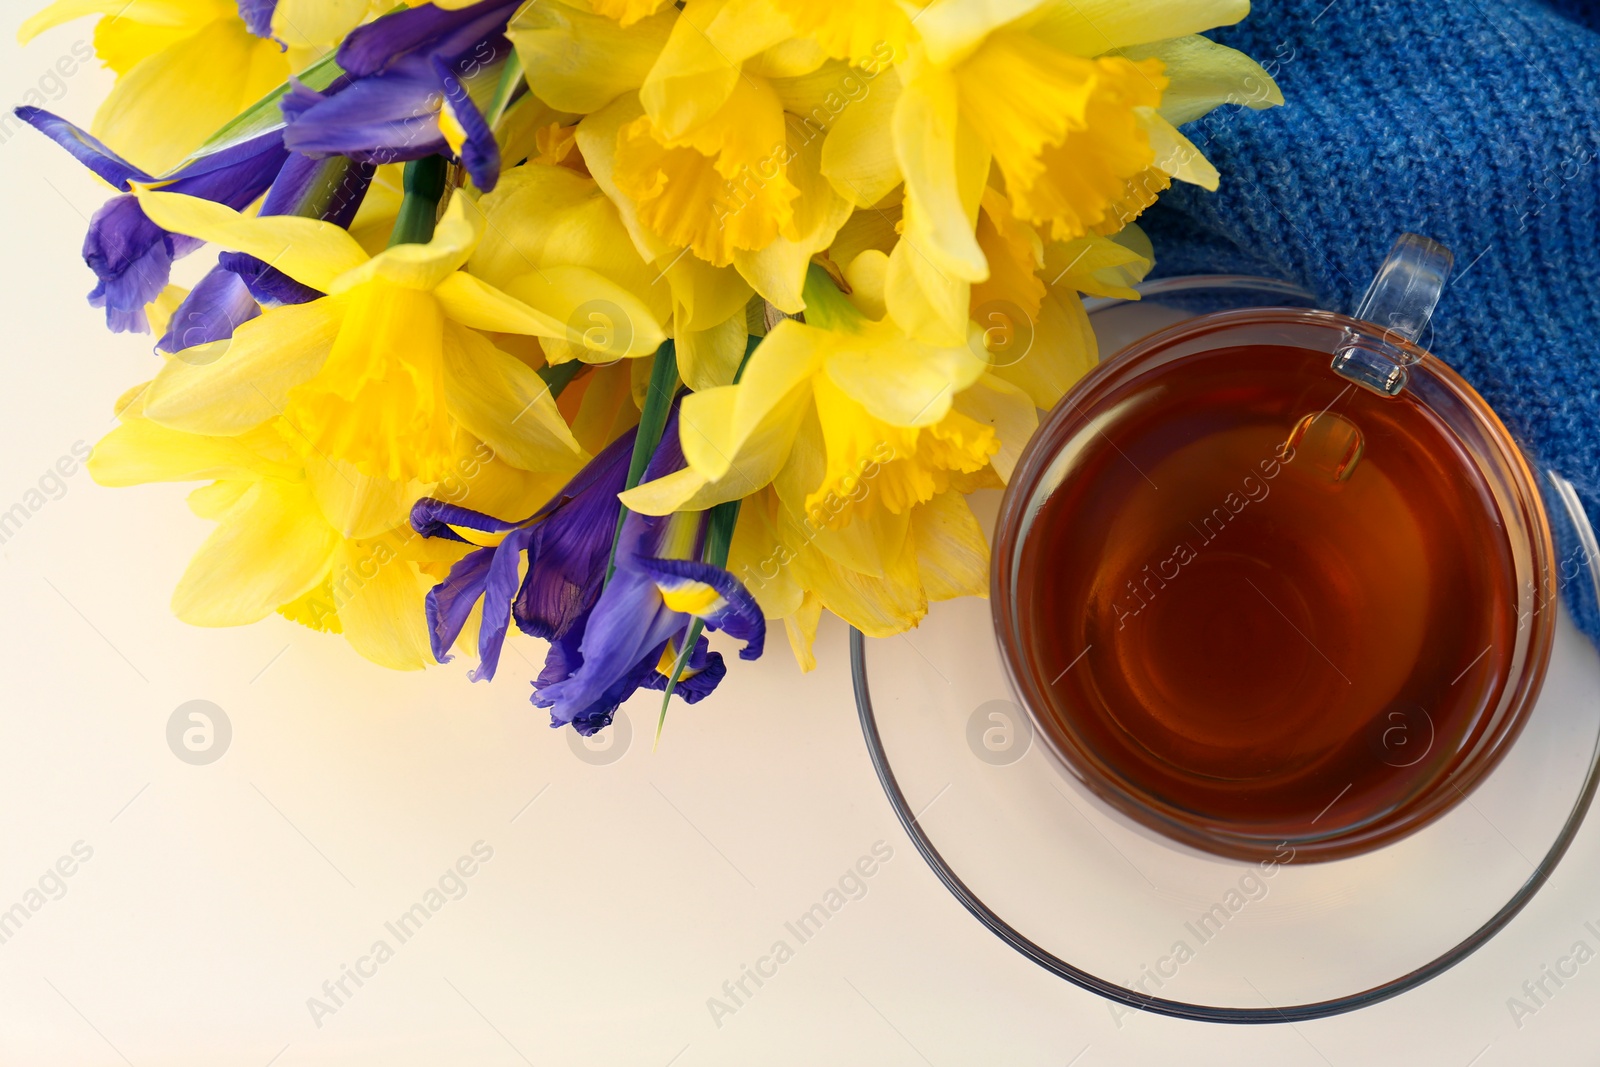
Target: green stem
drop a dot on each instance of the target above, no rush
(425, 181)
(652, 420)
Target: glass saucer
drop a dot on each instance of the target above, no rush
(1150, 924)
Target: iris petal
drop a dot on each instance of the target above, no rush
(433, 518)
(701, 674)
(574, 548)
(390, 117)
(211, 312)
(84, 147)
(500, 585)
(257, 15)
(132, 258)
(565, 660)
(628, 623)
(736, 612)
(377, 46)
(480, 153)
(450, 603)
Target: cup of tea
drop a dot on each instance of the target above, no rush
(1278, 577)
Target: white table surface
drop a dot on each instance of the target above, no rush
(619, 897)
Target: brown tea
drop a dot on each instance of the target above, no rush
(1267, 600)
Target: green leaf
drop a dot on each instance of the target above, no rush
(505, 91)
(652, 421)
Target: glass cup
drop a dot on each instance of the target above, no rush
(1275, 581)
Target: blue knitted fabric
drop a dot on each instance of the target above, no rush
(1475, 122)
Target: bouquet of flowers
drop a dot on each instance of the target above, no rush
(619, 320)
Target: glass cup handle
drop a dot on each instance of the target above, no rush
(1398, 304)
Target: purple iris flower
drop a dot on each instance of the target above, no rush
(130, 255)
(398, 70)
(607, 639)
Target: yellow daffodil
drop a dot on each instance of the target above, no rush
(390, 368)
(313, 540)
(705, 125)
(1074, 105)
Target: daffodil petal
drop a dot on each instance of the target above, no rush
(139, 451)
(600, 318)
(952, 553)
(521, 216)
(761, 413)
(700, 66)
(308, 250)
(597, 140)
(250, 382)
(1204, 75)
(1101, 266)
(708, 295)
(778, 271)
(215, 500)
(900, 380)
(503, 402)
(316, 23)
(747, 460)
(358, 505)
(856, 157)
(578, 60)
(1063, 350)
(736, 438)
(382, 614)
(475, 303)
(153, 12)
(268, 549)
(801, 628)
(996, 402)
(167, 104)
(870, 547)
(1175, 153)
(709, 358)
(877, 606)
(1094, 27)
(945, 167)
(759, 560)
(931, 304)
(423, 266)
(954, 26)
(669, 493)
